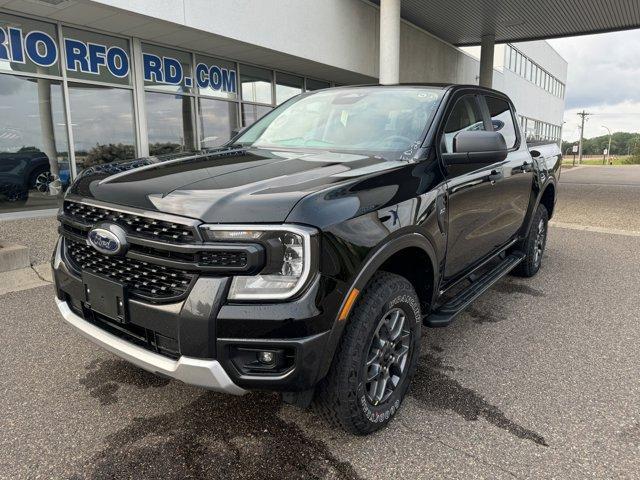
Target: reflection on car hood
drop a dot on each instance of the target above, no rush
(228, 185)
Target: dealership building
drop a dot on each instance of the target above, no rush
(86, 82)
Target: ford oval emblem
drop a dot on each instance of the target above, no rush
(108, 238)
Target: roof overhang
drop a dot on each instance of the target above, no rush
(464, 22)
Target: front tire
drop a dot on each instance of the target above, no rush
(534, 245)
(376, 358)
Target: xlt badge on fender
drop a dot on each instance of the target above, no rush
(108, 238)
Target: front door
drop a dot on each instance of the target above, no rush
(471, 192)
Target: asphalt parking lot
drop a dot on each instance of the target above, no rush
(540, 378)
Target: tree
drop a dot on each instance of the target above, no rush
(622, 143)
(109, 153)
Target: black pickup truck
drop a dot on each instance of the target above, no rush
(306, 254)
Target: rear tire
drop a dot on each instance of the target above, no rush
(376, 358)
(534, 245)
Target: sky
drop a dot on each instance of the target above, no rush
(603, 79)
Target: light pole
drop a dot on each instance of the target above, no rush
(608, 149)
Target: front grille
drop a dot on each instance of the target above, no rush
(143, 279)
(134, 224)
(223, 259)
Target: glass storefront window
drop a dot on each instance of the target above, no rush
(103, 124)
(170, 120)
(37, 67)
(217, 120)
(111, 57)
(316, 84)
(166, 69)
(216, 78)
(33, 142)
(28, 46)
(256, 84)
(251, 113)
(287, 86)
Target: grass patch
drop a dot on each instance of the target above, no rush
(621, 160)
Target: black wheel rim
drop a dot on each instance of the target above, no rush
(387, 356)
(538, 248)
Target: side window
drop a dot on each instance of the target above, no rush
(502, 119)
(465, 116)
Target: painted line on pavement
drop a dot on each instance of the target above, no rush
(588, 228)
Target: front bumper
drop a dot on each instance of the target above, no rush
(203, 373)
(196, 338)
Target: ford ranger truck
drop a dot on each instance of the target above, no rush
(306, 254)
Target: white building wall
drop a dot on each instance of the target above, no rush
(345, 34)
(341, 33)
(531, 100)
(426, 58)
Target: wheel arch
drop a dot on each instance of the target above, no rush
(548, 198)
(411, 256)
(544, 195)
(400, 255)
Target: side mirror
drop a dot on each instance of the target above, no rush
(477, 147)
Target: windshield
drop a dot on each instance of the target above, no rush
(377, 119)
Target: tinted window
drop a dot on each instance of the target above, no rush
(256, 84)
(465, 116)
(316, 84)
(217, 120)
(103, 124)
(78, 69)
(502, 119)
(287, 86)
(33, 142)
(170, 120)
(251, 113)
(166, 69)
(35, 52)
(216, 78)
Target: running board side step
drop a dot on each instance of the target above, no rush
(444, 315)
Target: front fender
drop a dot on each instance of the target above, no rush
(372, 263)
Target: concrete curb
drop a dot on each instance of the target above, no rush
(25, 278)
(13, 257)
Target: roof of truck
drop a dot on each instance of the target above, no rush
(430, 85)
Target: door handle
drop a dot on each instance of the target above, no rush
(495, 176)
(526, 166)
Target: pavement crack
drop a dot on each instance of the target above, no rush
(458, 449)
(38, 274)
(478, 459)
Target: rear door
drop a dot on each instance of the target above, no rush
(515, 184)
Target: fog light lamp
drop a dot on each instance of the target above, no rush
(266, 357)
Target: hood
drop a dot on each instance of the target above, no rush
(225, 186)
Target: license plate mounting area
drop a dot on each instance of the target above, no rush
(105, 296)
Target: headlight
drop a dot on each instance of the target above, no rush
(288, 259)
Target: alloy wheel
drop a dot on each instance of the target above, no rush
(539, 242)
(42, 182)
(387, 356)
